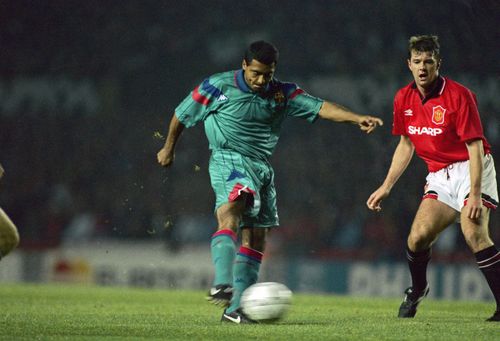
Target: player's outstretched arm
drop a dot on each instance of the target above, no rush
(337, 113)
(400, 160)
(166, 154)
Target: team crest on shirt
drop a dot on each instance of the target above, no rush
(438, 114)
(279, 97)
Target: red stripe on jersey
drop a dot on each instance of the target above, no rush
(251, 253)
(296, 93)
(199, 97)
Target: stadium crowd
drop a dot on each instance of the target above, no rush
(87, 172)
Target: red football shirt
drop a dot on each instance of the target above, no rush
(439, 124)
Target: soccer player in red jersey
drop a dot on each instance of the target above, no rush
(9, 237)
(438, 119)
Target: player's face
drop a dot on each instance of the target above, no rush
(424, 67)
(258, 75)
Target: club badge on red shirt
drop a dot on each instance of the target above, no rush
(438, 114)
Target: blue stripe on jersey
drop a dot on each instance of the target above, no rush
(288, 88)
(210, 89)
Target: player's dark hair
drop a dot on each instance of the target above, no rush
(262, 51)
(424, 43)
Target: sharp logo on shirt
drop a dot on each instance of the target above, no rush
(222, 98)
(412, 130)
(409, 112)
(438, 114)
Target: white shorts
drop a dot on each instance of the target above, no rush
(451, 185)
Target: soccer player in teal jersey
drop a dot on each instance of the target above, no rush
(9, 237)
(242, 112)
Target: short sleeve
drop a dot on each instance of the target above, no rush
(398, 127)
(468, 122)
(196, 105)
(301, 104)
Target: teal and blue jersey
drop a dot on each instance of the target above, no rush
(239, 119)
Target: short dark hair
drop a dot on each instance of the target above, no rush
(262, 51)
(424, 43)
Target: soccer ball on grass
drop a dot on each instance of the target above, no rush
(266, 301)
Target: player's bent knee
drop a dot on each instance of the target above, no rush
(9, 242)
(420, 241)
(228, 222)
(9, 237)
(229, 215)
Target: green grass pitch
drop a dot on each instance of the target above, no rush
(66, 312)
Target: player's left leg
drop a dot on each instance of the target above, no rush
(476, 235)
(247, 262)
(9, 237)
(255, 226)
(254, 233)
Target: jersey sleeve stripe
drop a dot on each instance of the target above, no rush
(210, 89)
(197, 97)
(296, 93)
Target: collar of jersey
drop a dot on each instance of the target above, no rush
(239, 78)
(438, 90)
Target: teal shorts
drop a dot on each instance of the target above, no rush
(233, 174)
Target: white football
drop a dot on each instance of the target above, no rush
(266, 301)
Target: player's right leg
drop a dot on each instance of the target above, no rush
(246, 270)
(431, 219)
(9, 237)
(247, 262)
